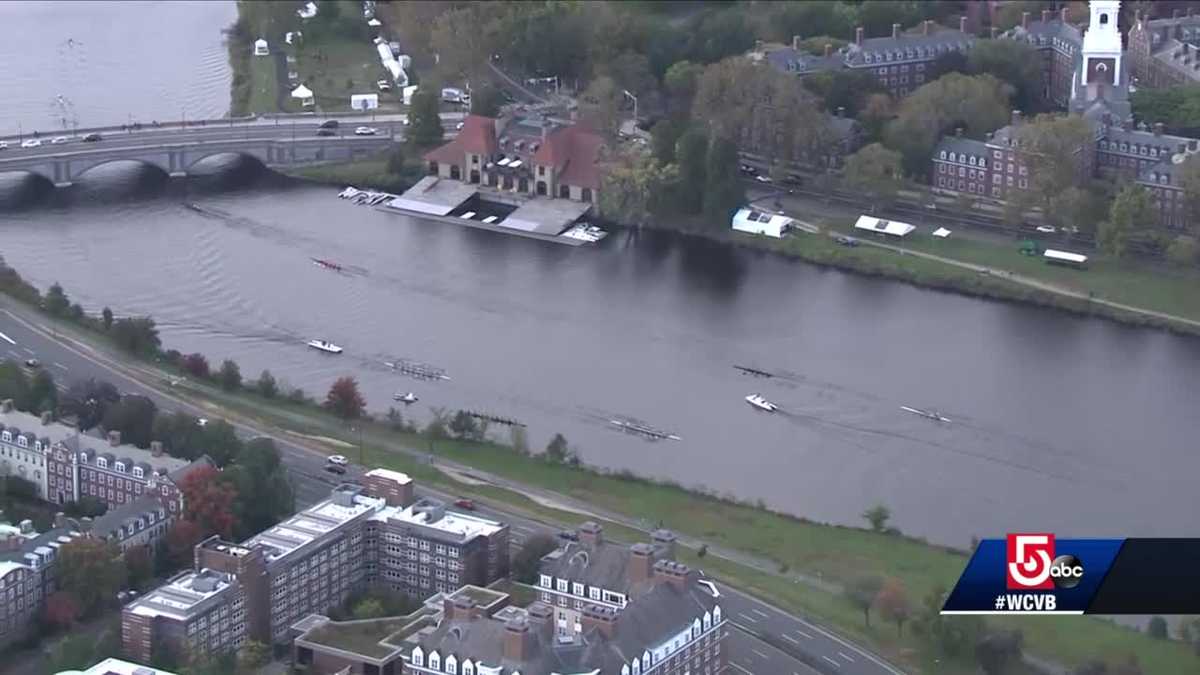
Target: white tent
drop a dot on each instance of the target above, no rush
(261, 48)
(890, 227)
(304, 94)
(941, 233)
(364, 101)
(374, 23)
(761, 222)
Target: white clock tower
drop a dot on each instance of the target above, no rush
(1101, 67)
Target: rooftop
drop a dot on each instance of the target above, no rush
(478, 136)
(344, 506)
(377, 639)
(112, 666)
(180, 597)
(482, 597)
(434, 196)
(36, 551)
(56, 432)
(908, 46)
(432, 514)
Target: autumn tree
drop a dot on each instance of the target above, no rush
(208, 501)
(876, 112)
(196, 365)
(875, 171)
(976, 103)
(893, 604)
(846, 89)
(344, 400)
(181, 538)
(1053, 148)
(634, 191)
(91, 570)
(861, 593)
(62, 609)
(600, 104)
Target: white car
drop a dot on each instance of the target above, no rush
(364, 131)
(32, 143)
(460, 126)
(59, 140)
(339, 460)
(3, 145)
(762, 179)
(1045, 229)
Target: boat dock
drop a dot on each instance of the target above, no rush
(457, 203)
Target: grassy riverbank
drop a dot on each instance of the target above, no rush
(364, 173)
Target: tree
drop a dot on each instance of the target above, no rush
(893, 604)
(556, 449)
(106, 316)
(1157, 628)
(1053, 150)
(952, 61)
(139, 565)
(1130, 211)
(486, 100)
(133, 416)
(137, 335)
(737, 99)
(717, 34)
(264, 494)
(367, 608)
(92, 571)
(425, 123)
(208, 501)
(1014, 62)
(230, 376)
(876, 112)
(42, 395)
(344, 400)
(600, 104)
(14, 383)
(1078, 209)
(87, 506)
(680, 81)
(848, 89)
(181, 434)
(87, 401)
(395, 160)
(57, 302)
(62, 609)
(1182, 251)
(816, 17)
(723, 188)
(875, 171)
(861, 593)
(635, 191)
(977, 103)
(220, 442)
(1190, 179)
(663, 138)
(181, 539)
(997, 652)
(952, 636)
(877, 16)
(1178, 108)
(253, 655)
(196, 365)
(265, 385)
(691, 152)
(525, 562)
(462, 424)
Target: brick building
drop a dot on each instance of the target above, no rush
(1163, 52)
(1059, 44)
(24, 442)
(375, 534)
(26, 576)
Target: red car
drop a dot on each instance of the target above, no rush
(464, 503)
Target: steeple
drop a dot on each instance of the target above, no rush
(1102, 47)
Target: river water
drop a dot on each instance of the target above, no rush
(1076, 426)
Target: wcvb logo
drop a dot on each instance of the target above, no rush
(1030, 557)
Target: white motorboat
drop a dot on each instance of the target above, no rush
(761, 403)
(405, 398)
(928, 414)
(325, 346)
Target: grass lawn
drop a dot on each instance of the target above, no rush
(264, 85)
(336, 67)
(365, 173)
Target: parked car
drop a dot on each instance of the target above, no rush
(383, 85)
(794, 179)
(335, 468)
(748, 170)
(33, 363)
(464, 503)
(3, 145)
(763, 179)
(847, 241)
(336, 464)
(340, 460)
(326, 132)
(459, 126)
(329, 124)
(1046, 229)
(32, 143)
(569, 535)
(364, 131)
(59, 140)
(92, 137)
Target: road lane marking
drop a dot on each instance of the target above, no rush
(7, 339)
(748, 618)
(735, 665)
(14, 353)
(760, 612)
(764, 656)
(28, 350)
(835, 663)
(846, 656)
(56, 364)
(789, 638)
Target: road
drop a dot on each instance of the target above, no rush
(763, 639)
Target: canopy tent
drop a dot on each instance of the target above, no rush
(941, 233)
(761, 222)
(888, 227)
(364, 101)
(261, 48)
(304, 94)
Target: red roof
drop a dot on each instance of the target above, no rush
(573, 151)
(478, 136)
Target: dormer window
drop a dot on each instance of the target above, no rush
(83, 458)
(138, 472)
(451, 665)
(577, 589)
(101, 462)
(435, 661)
(22, 441)
(953, 157)
(7, 436)
(418, 657)
(943, 154)
(120, 466)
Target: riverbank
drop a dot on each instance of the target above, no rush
(372, 173)
(795, 564)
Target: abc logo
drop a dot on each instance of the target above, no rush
(1066, 571)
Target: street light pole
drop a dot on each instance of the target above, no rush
(635, 115)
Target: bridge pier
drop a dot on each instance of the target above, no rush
(62, 172)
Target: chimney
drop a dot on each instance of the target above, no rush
(1064, 14)
(994, 31)
(858, 36)
(6, 405)
(591, 534)
(1025, 19)
(26, 526)
(958, 131)
(1192, 144)
(796, 42)
(841, 111)
(988, 136)
(1158, 128)
(828, 49)
(962, 23)
(925, 26)
(1107, 119)
(603, 619)
(458, 607)
(672, 573)
(1175, 13)
(516, 640)
(895, 30)
(156, 449)
(641, 562)
(541, 619)
(85, 523)
(1016, 117)
(47, 418)
(1045, 16)
(664, 540)
(114, 438)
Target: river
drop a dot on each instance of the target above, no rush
(1077, 426)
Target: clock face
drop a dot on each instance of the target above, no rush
(1101, 71)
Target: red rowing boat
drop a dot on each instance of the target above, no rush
(327, 264)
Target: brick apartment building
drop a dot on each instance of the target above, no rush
(1163, 52)
(378, 533)
(1059, 44)
(531, 155)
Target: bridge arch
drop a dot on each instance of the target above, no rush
(85, 167)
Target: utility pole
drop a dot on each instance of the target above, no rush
(635, 115)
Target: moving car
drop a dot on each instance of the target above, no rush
(33, 363)
(59, 140)
(464, 503)
(32, 143)
(364, 131)
(763, 179)
(336, 464)
(92, 137)
(329, 124)
(748, 170)
(1046, 229)
(459, 126)
(326, 132)
(383, 85)
(3, 145)
(847, 241)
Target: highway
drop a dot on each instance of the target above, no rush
(763, 639)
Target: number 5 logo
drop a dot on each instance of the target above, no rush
(1030, 557)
